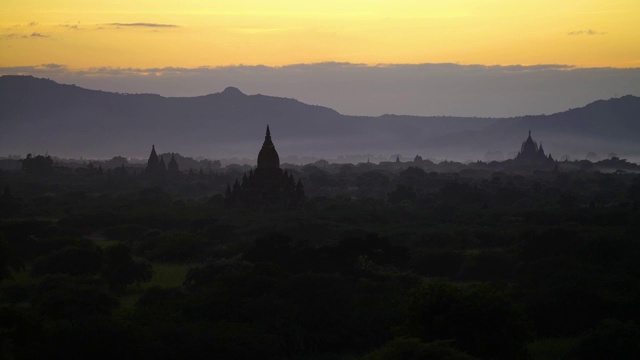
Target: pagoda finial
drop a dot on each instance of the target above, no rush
(529, 132)
(268, 157)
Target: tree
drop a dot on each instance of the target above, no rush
(414, 349)
(122, 270)
(73, 298)
(71, 260)
(319, 313)
(478, 318)
(272, 248)
(38, 165)
(612, 339)
(8, 260)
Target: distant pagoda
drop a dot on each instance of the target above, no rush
(268, 156)
(163, 166)
(172, 167)
(155, 166)
(268, 186)
(532, 154)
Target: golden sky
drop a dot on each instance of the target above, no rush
(190, 33)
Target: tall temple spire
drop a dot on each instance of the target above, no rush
(162, 167)
(267, 138)
(531, 152)
(268, 156)
(267, 186)
(153, 164)
(173, 165)
(153, 157)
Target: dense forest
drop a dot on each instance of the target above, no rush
(413, 260)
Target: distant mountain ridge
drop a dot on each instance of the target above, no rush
(40, 115)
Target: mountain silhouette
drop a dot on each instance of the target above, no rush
(40, 115)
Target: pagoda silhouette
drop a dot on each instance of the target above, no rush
(172, 167)
(533, 155)
(267, 186)
(155, 165)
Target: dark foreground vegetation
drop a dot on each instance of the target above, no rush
(403, 261)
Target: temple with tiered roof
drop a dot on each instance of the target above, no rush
(266, 186)
(155, 166)
(532, 154)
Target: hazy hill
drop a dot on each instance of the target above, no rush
(38, 115)
(603, 126)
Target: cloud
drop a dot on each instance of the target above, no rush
(586, 32)
(261, 30)
(43, 70)
(34, 35)
(71, 27)
(14, 36)
(29, 24)
(54, 66)
(142, 24)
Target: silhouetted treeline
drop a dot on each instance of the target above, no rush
(391, 261)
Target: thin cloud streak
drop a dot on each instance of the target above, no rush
(33, 35)
(70, 27)
(142, 24)
(14, 36)
(586, 32)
